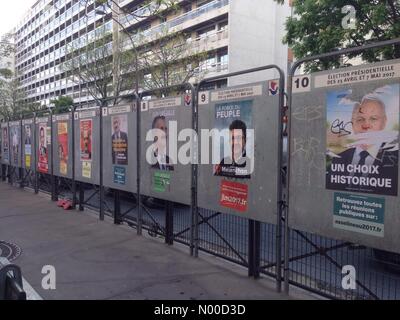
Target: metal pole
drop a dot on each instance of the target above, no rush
(9, 171)
(251, 248)
(280, 199)
(34, 152)
(257, 248)
(194, 235)
(101, 164)
(73, 156)
(138, 167)
(117, 207)
(169, 222)
(81, 196)
(52, 176)
(290, 91)
(21, 171)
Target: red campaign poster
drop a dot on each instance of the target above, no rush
(234, 195)
(43, 163)
(86, 139)
(63, 146)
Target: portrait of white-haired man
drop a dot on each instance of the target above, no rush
(370, 164)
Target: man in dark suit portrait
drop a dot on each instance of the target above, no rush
(371, 164)
(163, 161)
(28, 135)
(119, 142)
(237, 165)
(42, 143)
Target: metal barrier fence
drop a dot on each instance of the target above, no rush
(311, 261)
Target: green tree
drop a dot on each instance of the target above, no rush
(62, 104)
(170, 60)
(6, 46)
(92, 65)
(12, 97)
(316, 27)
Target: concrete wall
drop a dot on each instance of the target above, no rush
(256, 29)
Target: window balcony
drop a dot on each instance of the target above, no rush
(184, 21)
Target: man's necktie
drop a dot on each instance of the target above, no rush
(363, 156)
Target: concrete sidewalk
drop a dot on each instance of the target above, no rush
(98, 260)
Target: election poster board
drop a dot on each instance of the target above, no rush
(43, 143)
(239, 143)
(166, 156)
(5, 144)
(15, 143)
(28, 156)
(87, 144)
(62, 150)
(119, 147)
(344, 148)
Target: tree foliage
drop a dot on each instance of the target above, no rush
(13, 97)
(62, 104)
(316, 27)
(92, 65)
(170, 60)
(6, 46)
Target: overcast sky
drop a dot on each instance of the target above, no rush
(12, 12)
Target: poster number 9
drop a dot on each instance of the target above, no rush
(203, 99)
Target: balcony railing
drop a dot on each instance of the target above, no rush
(146, 34)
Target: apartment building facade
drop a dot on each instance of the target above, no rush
(236, 34)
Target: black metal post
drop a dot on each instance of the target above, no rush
(257, 249)
(73, 157)
(20, 169)
(138, 161)
(169, 222)
(9, 168)
(35, 155)
(21, 177)
(56, 182)
(81, 196)
(101, 186)
(10, 174)
(117, 207)
(52, 176)
(251, 270)
(194, 231)
(254, 248)
(3, 172)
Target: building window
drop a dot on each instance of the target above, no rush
(203, 2)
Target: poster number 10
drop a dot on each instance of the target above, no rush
(301, 84)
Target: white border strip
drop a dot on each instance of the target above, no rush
(31, 293)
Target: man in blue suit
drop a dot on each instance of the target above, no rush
(370, 168)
